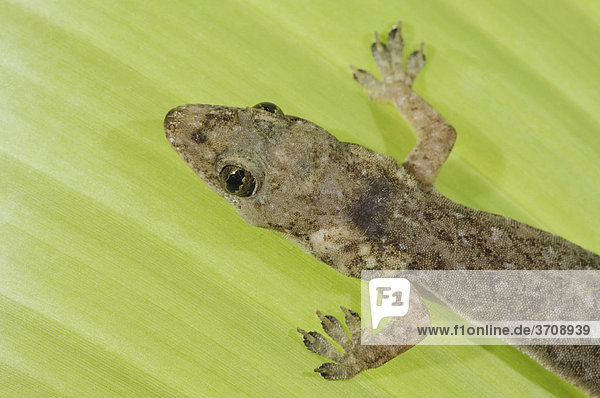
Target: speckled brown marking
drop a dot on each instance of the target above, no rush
(198, 137)
(370, 212)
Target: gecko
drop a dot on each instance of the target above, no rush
(355, 209)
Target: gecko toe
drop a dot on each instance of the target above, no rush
(382, 56)
(396, 48)
(415, 62)
(334, 329)
(371, 85)
(353, 323)
(318, 344)
(334, 371)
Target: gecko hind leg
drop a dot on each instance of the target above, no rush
(435, 135)
(355, 357)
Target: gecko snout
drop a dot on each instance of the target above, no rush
(170, 121)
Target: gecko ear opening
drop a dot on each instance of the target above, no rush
(269, 107)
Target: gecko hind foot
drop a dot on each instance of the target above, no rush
(355, 357)
(390, 62)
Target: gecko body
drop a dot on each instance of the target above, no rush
(355, 209)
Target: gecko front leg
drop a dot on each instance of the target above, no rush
(358, 354)
(435, 135)
(346, 364)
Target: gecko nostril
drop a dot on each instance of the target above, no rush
(170, 119)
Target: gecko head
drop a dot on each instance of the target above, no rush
(280, 172)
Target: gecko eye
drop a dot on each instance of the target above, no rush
(269, 107)
(237, 181)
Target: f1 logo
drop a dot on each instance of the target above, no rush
(388, 297)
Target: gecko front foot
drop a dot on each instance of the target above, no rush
(355, 357)
(395, 75)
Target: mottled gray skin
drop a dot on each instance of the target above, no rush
(355, 209)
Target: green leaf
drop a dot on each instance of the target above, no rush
(121, 273)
